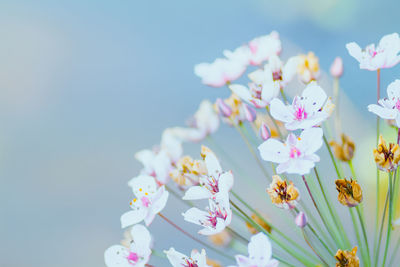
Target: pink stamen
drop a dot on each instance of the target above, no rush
(145, 201)
(190, 263)
(132, 257)
(398, 104)
(300, 113)
(294, 152)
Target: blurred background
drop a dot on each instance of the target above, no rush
(85, 84)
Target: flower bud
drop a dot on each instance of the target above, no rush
(337, 67)
(301, 220)
(265, 133)
(250, 113)
(345, 150)
(223, 108)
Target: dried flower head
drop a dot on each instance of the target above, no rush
(345, 150)
(282, 194)
(386, 157)
(308, 67)
(347, 258)
(350, 193)
(187, 171)
(221, 239)
(260, 222)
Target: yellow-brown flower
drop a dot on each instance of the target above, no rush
(386, 157)
(283, 195)
(259, 221)
(347, 258)
(213, 263)
(187, 171)
(308, 67)
(350, 193)
(221, 239)
(345, 150)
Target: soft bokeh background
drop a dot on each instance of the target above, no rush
(85, 84)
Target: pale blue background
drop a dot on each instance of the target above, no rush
(85, 84)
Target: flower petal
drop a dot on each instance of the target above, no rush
(382, 112)
(242, 91)
(196, 192)
(273, 150)
(143, 184)
(133, 217)
(115, 256)
(280, 111)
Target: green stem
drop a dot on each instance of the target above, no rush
(378, 72)
(379, 237)
(356, 231)
(389, 225)
(361, 219)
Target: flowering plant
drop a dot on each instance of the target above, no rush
(286, 135)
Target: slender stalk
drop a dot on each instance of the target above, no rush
(377, 248)
(337, 114)
(284, 96)
(389, 227)
(361, 219)
(195, 239)
(275, 123)
(394, 254)
(315, 252)
(357, 232)
(378, 92)
(332, 157)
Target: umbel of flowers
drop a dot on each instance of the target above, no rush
(285, 137)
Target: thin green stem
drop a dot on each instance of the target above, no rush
(379, 238)
(389, 225)
(357, 232)
(361, 219)
(378, 73)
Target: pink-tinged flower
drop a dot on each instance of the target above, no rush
(260, 253)
(216, 184)
(389, 108)
(224, 70)
(178, 259)
(306, 111)
(265, 132)
(231, 109)
(385, 55)
(214, 219)
(301, 219)
(205, 121)
(259, 95)
(263, 47)
(336, 69)
(155, 163)
(136, 255)
(148, 201)
(297, 154)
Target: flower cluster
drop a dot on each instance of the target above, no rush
(290, 133)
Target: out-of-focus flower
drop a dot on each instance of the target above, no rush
(155, 163)
(265, 133)
(249, 113)
(297, 154)
(308, 67)
(344, 151)
(178, 259)
(260, 253)
(385, 55)
(205, 120)
(346, 258)
(231, 109)
(260, 222)
(305, 111)
(386, 157)
(148, 202)
(187, 171)
(284, 196)
(263, 47)
(350, 193)
(257, 94)
(336, 69)
(263, 118)
(301, 220)
(171, 142)
(216, 184)
(389, 107)
(213, 263)
(217, 216)
(136, 255)
(221, 239)
(275, 74)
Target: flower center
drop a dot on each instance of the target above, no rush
(132, 258)
(145, 201)
(397, 105)
(294, 153)
(211, 184)
(300, 113)
(255, 90)
(277, 75)
(190, 263)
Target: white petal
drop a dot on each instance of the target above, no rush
(133, 217)
(159, 200)
(195, 215)
(354, 50)
(273, 150)
(220, 226)
(225, 182)
(310, 141)
(145, 157)
(115, 256)
(197, 192)
(384, 113)
(212, 163)
(141, 237)
(260, 247)
(313, 98)
(280, 111)
(176, 258)
(270, 90)
(143, 184)
(199, 257)
(242, 91)
(300, 166)
(290, 69)
(393, 90)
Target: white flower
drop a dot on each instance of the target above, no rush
(305, 111)
(156, 164)
(138, 253)
(389, 107)
(171, 142)
(296, 155)
(263, 47)
(217, 216)
(385, 55)
(148, 202)
(259, 95)
(178, 259)
(260, 253)
(205, 121)
(224, 70)
(216, 184)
